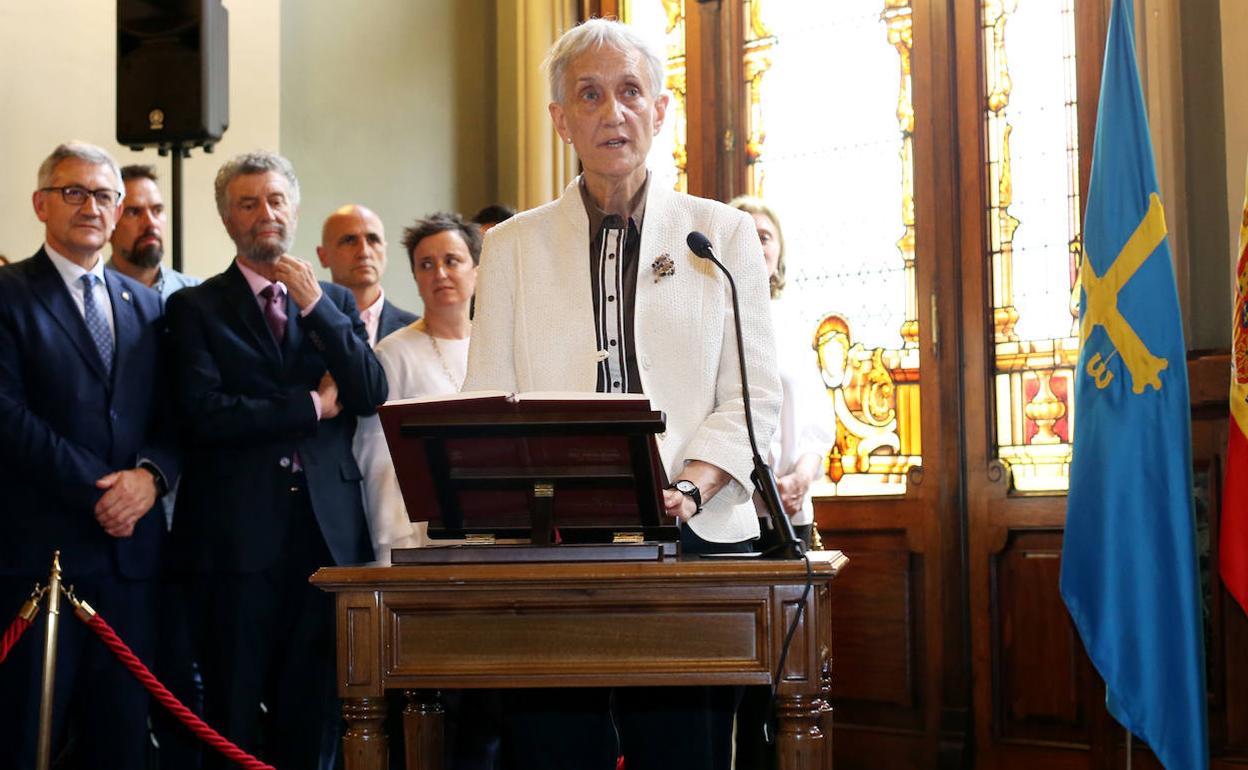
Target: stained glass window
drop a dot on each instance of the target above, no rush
(837, 166)
(1030, 117)
(668, 157)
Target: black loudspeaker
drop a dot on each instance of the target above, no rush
(172, 72)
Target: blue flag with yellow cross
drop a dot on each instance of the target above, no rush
(1129, 566)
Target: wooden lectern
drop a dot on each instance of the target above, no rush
(678, 621)
(478, 465)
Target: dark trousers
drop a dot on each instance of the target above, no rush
(268, 637)
(177, 668)
(99, 708)
(654, 728)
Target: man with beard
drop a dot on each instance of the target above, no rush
(138, 240)
(138, 248)
(353, 249)
(273, 368)
(84, 455)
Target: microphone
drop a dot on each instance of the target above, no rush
(763, 477)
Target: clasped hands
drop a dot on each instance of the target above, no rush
(128, 495)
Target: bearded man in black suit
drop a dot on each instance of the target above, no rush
(273, 369)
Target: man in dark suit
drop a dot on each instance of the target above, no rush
(353, 249)
(273, 369)
(83, 461)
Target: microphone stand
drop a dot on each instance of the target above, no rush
(763, 477)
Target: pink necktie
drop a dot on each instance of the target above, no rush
(275, 311)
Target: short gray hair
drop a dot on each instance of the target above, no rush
(255, 162)
(595, 33)
(87, 153)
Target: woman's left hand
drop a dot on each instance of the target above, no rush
(678, 505)
(793, 488)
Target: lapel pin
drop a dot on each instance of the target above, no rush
(663, 267)
(125, 295)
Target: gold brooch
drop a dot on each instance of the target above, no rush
(663, 267)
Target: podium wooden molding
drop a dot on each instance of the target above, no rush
(686, 621)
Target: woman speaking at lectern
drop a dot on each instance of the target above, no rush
(598, 291)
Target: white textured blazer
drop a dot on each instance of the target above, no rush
(534, 331)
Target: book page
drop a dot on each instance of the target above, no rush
(473, 395)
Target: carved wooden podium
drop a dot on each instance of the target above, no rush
(675, 621)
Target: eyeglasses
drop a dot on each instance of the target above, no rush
(76, 196)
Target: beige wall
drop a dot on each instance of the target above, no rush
(1235, 101)
(390, 105)
(386, 102)
(1197, 113)
(59, 63)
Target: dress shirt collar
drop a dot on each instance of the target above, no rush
(257, 282)
(371, 316)
(71, 272)
(157, 286)
(636, 207)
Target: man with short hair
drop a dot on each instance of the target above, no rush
(353, 249)
(138, 241)
(84, 456)
(493, 214)
(273, 369)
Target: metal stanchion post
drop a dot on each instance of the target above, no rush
(43, 759)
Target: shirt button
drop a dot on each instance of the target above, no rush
(610, 298)
(615, 384)
(284, 462)
(610, 256)
(645, 362)
(612, 343)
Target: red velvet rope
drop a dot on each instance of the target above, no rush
(166, 699)
(12, 634)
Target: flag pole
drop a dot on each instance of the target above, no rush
(1129, 742)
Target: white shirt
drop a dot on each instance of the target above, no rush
(371, 316)
(413, 368)
(72, 273)
(807, 421)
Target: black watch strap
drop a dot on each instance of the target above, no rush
(691, 491)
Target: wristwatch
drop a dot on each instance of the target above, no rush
(691, 491)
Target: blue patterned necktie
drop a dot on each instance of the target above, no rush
(101, 335)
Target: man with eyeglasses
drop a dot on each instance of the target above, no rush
(139, 240)
(85, 453)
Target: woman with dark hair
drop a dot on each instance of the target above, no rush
(428, 357)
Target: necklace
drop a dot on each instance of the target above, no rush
(442, 360)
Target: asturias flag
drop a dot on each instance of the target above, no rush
(1233, 535)
(1129, 569)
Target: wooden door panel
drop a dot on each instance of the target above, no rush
(875, 669)
(1040, 669)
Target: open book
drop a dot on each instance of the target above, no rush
(469, 463)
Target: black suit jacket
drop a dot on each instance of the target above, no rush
(246, 412)
(392, 319)
(64, 423)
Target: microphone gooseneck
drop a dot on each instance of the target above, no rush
(764, 478)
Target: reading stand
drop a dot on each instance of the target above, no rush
(541, 478)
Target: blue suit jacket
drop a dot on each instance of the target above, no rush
(64, 423)
(246, 412)
(392, 319)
